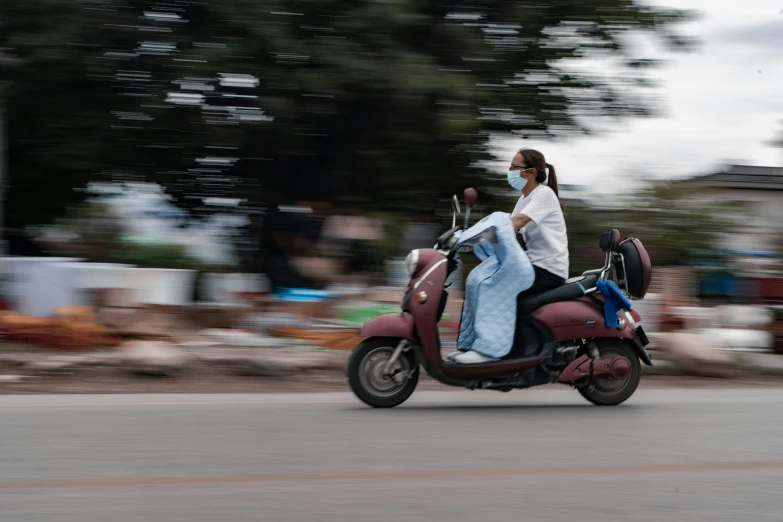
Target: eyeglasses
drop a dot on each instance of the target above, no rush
(520, 168)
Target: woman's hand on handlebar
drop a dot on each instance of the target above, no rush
(519, 221)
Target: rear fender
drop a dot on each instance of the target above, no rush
(629, 336)
(639, 340)
(641, 351)
(583, 318)
(398, 325)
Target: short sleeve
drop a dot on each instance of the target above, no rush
(518, 207)
(542, 203)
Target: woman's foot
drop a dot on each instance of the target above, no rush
(471, 358)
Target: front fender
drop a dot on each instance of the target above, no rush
(399, 325)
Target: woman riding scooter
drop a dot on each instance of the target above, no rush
(538, 216)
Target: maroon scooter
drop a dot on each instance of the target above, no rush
(560, 334)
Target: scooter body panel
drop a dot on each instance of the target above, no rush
(581, 318)
(400, 325)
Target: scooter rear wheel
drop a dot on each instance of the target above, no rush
(606, 391)
(366, 378)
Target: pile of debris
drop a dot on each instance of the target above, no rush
(69, 328)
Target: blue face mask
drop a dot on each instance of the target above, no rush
(515, 180)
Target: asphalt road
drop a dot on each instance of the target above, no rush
(668, 455)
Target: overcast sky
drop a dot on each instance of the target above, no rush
(721, 104)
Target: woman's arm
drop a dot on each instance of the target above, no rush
(519, 221)
(542, 203)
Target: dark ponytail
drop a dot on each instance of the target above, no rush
(552, 181)
(535, 159)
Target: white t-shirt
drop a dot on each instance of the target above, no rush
(545, 234)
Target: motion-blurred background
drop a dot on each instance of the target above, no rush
(175, 166)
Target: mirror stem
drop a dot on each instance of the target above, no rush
(467, 217)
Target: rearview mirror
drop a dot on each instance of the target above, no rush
(471, 196)
(455, 204)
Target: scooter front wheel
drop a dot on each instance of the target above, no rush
(369, 378)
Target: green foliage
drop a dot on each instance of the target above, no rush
(152, 256)
(584, 230)
(100, 238)
(671, 220)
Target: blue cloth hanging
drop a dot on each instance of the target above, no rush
(614, 301)
(489, 311)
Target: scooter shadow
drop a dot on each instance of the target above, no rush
(428, 409)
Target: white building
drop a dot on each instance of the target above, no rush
(754, 199)
(754, 195)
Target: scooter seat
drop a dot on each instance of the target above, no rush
(527, 304)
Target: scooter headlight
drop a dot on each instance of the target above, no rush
(412, 262)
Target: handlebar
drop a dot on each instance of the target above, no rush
(449, 239)
(444, 239)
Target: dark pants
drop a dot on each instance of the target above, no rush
(530, 335)
(545, 280)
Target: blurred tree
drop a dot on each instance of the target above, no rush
(386, 105)
(673, 221)
(584, 226)
(94, 232)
